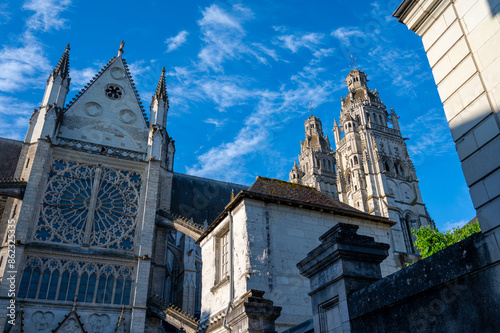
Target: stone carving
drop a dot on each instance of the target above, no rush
(89, 205)
(101, 149)
(42, 320)
(127, 116)
(71, 326)
(98, 323)
(93, 109)
(117, 73)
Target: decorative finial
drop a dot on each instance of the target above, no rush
(232, 194)
(353, 61)
(67, 48)
(120, 50)
(163, 71)
(311, 107)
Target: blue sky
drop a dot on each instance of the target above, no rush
(240, 77)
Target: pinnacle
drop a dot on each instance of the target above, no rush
(62, 68)
(120, 50)
(161, 89)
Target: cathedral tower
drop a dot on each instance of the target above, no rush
(316, 160)
(375, 173)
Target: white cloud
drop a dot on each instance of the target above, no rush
(345, 34)
(4, 14)
(274, 109)
(47, 14)
(217, 122)
(214, 16)
(223, 35)
(401, 65)
(295, 42)
(173, 43)
(226, 91)
(80, 77)
(454, 224)
(429, 135)
(22, 67)
(14, 115)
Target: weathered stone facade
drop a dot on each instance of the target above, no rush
(90, 204)
(271, 227)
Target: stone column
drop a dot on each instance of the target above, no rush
(253, 314)
(344, 262)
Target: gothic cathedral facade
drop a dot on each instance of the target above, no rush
(371, 169)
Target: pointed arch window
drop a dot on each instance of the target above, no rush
(42, 279)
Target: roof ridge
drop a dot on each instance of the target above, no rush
(138, 98)
(88, 85)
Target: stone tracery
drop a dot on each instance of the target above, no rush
(90, 206)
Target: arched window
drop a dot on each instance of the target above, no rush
(386, 166)
(356, 162)
(62, 280)
(408, 225)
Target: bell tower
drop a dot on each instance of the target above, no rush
(375, 173)
(316, 160)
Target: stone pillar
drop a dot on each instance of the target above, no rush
(344, 262)
(253, 314)
(144, 252)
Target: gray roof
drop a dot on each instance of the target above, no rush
(200, 198)
(9, 156)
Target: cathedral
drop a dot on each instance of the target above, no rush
(108, 238)
(370, 168)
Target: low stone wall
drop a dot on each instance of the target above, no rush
(455, 290)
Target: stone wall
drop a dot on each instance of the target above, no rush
(461, 40)
(269, 239)
(455, 290)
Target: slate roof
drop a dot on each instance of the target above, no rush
(298, 193)
(200, 198)
(9, 156)
(284, 193)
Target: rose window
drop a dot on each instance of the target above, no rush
(113, 91)
(89, 205)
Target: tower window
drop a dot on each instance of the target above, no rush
(387, 167)
(356, 160)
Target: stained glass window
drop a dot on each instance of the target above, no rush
(90, 206)
(42, 279)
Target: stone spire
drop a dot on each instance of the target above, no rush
(62, 68)
(161, 88)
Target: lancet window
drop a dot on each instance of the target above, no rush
(65, 280)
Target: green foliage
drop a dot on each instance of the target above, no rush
(430, 241)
